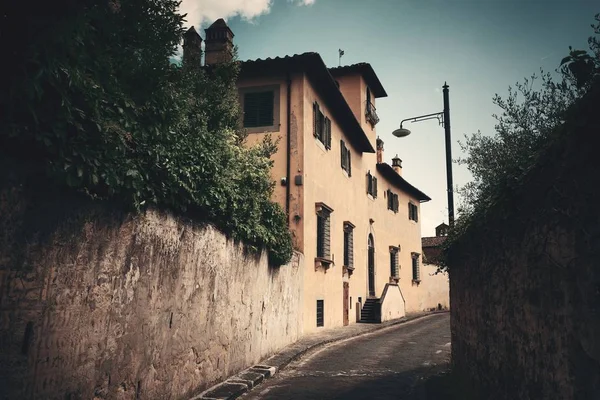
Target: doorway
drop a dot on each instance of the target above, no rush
(346, 303)
(371, 245)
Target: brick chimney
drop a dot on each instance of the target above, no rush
(219, 43)
(192, 48)
(379, 151)
(397, 165)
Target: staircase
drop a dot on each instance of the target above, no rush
(371, 311)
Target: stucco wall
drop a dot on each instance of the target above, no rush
(99, 305)
(525, 282)
(392, 303)
(436, 289)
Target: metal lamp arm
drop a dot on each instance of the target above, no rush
(438, 115)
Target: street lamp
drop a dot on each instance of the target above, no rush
(443, 118)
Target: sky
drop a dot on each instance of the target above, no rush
(479, 47)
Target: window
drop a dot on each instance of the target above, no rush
(415, 267)
(323, 231)
(321, 126)
(371, 185)
(394, 273)
(413, 212)
(348, 245)
(392, 201)
(320, 312)
(346, 163)
(258, 109)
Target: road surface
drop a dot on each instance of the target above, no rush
(383, 365)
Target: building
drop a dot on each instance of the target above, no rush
(438, 288)
(352, 215)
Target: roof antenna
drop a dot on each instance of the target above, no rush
(341, 52)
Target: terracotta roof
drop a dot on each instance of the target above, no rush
(388, 172)
(312, 64)
(367, 73)
(433, 241)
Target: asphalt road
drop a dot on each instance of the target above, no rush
(387, 364)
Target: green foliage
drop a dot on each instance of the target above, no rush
(530, 114)
(92, 99)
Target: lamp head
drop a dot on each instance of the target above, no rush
(401, 132)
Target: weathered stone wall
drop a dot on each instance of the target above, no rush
(525, 282)
(105, 306)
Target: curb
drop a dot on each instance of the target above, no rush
(237, 385)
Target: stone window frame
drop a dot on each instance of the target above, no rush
(416, 267)
(276, 88)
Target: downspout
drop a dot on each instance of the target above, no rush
(289, 148)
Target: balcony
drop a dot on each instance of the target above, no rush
(371, 113)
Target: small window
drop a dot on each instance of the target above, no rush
(392, 201)
(348, 245)
(371, 185)
(345, 156)
(415, 267)
(258, 109)
(413, 212)
(320, 313)
(394, 272)
(321, 126)
(323, 231)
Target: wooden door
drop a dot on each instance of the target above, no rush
(346, 303)
(371, 266)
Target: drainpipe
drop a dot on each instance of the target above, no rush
(289, 148)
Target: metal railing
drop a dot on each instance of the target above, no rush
(371, 113)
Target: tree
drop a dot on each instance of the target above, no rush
(92, 101)
(530, 113)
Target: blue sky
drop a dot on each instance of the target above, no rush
(479, 47)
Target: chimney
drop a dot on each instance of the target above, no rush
(219, 43)
(192, 48)
(397, 165)
(379, 151)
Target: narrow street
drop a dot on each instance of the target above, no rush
(383, 365)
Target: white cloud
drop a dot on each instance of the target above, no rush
(204, 12)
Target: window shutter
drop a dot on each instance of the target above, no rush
(351, 248)
(374, 187)
(320, 235)
(416, 214)
(326, 237)
(327, 133)
(349, 162)
(320, 313)
(409, 211)
(315, 119)
(258, 109)
(343, 154)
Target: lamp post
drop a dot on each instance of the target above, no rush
(443, 118)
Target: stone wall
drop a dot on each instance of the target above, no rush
(525, 282)
(100, 305)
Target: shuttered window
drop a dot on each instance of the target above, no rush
(394, 262)
(321, 126)
(371, 185)
(348, 245)
(345, 157)
(392, 201)
(415, 267)
(258, 109)
(324, 233)
(413, 212)
(320, 312)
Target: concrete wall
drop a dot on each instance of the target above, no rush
(436, 289)
(525, 282)
(392, 303)
(99, 305)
